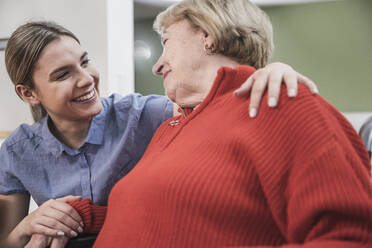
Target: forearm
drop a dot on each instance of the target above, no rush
(16, 238)
(13, 210)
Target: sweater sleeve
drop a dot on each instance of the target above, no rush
(93, 216)
(329, 201)
(325, 203)
(321, 195)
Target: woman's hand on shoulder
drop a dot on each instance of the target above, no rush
(271, 77)
(54, 218)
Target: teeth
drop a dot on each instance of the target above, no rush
(86, 97)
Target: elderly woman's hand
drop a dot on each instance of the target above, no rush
(59, 242)
(39, 241)
(43, 241)
(272, 77)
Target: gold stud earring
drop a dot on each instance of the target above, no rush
(209, 50)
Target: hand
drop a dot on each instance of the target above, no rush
(39, 241)
(54, 218)
(272, 75)
(42, 241)
(59, 242)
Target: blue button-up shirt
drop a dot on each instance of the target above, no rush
(33, 161)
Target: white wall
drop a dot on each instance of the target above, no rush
(357, 118)
(101, 26)
(120, 46)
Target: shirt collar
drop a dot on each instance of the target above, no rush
(51, 143)
(95, 135)
(97, 128)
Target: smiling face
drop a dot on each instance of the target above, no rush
(66, 83)
(183, 64)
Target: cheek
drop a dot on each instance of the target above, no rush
(94, 73)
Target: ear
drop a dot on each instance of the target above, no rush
(208, 41)
(27, 94)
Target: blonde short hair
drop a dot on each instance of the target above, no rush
(240, 30)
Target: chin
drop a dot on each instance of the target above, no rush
(172, 97)
(96, 110)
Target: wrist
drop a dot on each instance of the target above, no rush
(18, 237)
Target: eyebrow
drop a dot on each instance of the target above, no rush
(62, 68)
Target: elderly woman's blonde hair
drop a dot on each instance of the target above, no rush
(240, 30)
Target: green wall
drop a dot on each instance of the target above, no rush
(330, 42)
(145, 82)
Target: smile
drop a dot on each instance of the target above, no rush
(165, 74)
(86, 98)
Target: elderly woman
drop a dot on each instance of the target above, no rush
(294, 177)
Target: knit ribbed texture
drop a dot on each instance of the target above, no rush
(93, 216)
(296, 176)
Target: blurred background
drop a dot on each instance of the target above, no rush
(328, 41)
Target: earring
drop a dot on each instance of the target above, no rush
(209, 50)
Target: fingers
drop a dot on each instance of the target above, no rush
(290, 81)
(273, 75)
(49, 226)
(275, 81)
(244, 88)
(257, 91)
(59, 242)
(38, 241)
(69, 198)
(39, 228)
(54, 218)
(310, 84)
(66, 213)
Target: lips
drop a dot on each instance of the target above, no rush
(86, 97)
(165, 74)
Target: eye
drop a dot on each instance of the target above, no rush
(165, 41)
(62, 76)
(85, 62)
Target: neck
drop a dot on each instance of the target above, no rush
(206, 76)
(70, 133)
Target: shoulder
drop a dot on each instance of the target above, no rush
(137, 104)
(305, 107)
(133, 100)
(22, 134)
(307, 120)
(26, 138)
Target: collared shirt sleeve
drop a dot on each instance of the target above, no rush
(138, 117)
(9, 183)
(155, 110)
(150, 111)
(146, 112)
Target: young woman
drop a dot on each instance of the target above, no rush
(80, 144)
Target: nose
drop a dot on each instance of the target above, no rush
(85, 79)
(157, 69)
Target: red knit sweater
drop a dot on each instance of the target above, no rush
(297, 176)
